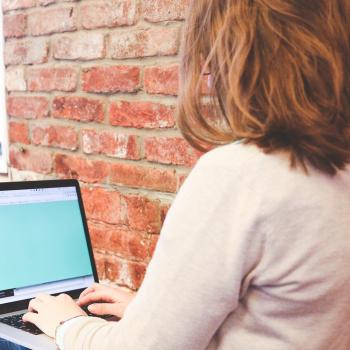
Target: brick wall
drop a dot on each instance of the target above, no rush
(92, 88)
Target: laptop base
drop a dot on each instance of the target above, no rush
(17, 336)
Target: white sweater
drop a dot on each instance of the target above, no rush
(252, 256)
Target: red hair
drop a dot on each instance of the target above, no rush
(280, 77)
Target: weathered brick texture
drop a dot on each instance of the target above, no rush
(8, 5)
(26, 51)
(56, 136)
(109, 13)
(91, 94)
(15, 25)
(52, 79)
(163, 80)
(164, 10)
(142, 114)
(28, 107)
(49, 21)
(15, 80)
(144, 42)
(79, 47)
(78, 108)
(18, 132)
(111, 144)
(111, 79)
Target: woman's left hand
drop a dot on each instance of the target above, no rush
(46, 312)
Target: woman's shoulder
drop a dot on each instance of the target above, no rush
(237, 155)
(248, 165)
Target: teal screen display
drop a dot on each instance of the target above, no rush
(42, 243)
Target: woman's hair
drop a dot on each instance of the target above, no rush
(280, 78)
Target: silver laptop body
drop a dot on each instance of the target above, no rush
(45, 248)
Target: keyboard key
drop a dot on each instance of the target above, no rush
(17, 322)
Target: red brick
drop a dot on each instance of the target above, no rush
(164, 10)
(129, 244)
(37, 160)
(28, 107)
(114, 268)
(158, 41)
(15, 79)
(55, 135)
(26, 51)
(110, 143)
(164, 208)
(143, 214)
(15, 25)
(170, 150)
(86, 170)
(111, 79)
(78, 108)
(153, 244)
(51, 79)
(102, 205)
(121, 241)
(8, 5)
(49, 2)
(82, 46)
(182, 179)
(109, 13)
(127, 273)
(18, 132)
(142, 114)
(46, 2)
(144, 177)
(52, 21)
(100, 262)
(162, 80)
(137, 273)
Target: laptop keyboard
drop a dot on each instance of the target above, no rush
(17, 322)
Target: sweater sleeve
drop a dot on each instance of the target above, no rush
(207, 253)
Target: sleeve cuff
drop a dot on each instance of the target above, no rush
(63, 328)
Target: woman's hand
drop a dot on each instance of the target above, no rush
(106, 300)
(46, 312)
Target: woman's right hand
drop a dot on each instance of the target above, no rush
(106, 300)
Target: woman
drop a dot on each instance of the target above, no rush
(255, 250)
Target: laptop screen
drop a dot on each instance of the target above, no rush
(43, 244)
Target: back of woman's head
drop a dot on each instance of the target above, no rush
(279, 73)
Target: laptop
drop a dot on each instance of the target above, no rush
(45, 248)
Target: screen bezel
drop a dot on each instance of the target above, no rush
(27, 185)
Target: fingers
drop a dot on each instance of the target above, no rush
(31, 317)
(64, 296)
(96, 296)
(34, 305)
(96, 287)
(90, 289)
(86, 291)
(101, 309)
